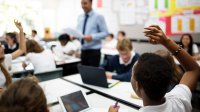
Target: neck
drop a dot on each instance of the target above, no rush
(88, 11)
(149, 102)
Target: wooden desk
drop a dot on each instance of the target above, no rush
(121, 92)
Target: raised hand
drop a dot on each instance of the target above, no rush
(18, 25)
(155, 35)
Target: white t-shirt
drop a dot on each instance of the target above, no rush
(111, 44)
(7, 63)
(67, 48)
(42, 62)
(194, 48)
(77, 44)
(177, 100)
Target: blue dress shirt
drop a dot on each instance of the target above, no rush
(96, 27)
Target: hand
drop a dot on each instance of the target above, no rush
(24, 65)
(87, 38)
(155, 34)
(108, 76)
(18, 25)
(112, 109)
(1, 90)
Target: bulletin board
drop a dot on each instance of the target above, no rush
(178, 16)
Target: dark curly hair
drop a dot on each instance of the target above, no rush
(154, 74)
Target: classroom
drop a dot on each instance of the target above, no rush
(100, 56)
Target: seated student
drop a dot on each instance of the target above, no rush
(66, 45)
(34, 35)
(177, 71)
(187, 43)
(152, 75)
(5, 60)
(77, 45)
(121, 35)
(42, 59)
(12, 43)
(24, 95)
(123, 62)
(110, 42)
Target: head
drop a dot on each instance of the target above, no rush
(33, 46)
(64, 39)
(121, 35)
(86, 5)
(109, 37)
(177, 73)
(187, 42)
(33, 33)
(124, 48)
(151, 76)
(11, 38)
(24, 95)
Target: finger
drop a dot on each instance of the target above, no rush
(155, 26)
(152, 41)
(153, 37)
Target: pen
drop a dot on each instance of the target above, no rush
(115, 106)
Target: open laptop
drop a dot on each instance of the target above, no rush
(74, 102)
(95, 76)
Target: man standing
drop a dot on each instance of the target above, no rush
(94, 29)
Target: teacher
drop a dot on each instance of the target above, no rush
(94, 29)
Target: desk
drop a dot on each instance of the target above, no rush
(121, 91)
(16, 67)
(58, 87)
(69, 65)
(99, 103)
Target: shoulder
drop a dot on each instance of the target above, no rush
(181, 92)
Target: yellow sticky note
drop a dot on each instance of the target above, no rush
(179, 24)
(192, 24)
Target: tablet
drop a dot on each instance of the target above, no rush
(74, 102)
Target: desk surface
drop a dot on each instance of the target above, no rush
(58, 87)
(16, 66)
(121, 91)
(68, 60)
(99, 103)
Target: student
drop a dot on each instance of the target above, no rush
(34, 35)
(12, 43)
(123, 62)
(152, 74)
(187, 43)
(121, 35)
(42, 59)
(177, 71)
(110, 42)
(24, 95)
(66, 46)
(5, 60)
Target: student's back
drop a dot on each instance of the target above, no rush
(42, 59)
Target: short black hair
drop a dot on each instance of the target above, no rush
(154, 74)
(122, 32)
(111, 35)
(64, 37)
(34, 31)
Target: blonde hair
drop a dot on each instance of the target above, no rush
(124, 45)
(33, 46)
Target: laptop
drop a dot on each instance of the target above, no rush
(74, 102)
(95, 76)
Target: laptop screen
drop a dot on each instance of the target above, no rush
(74, 102)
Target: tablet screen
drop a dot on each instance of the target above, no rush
(74, 102)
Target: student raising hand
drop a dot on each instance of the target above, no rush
(18, 25)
